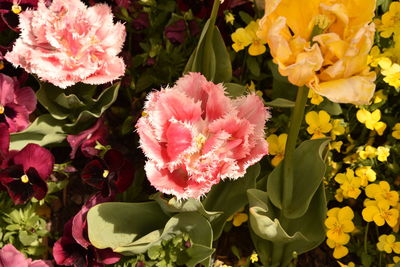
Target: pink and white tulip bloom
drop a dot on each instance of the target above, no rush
(68, 42)
(194, 135)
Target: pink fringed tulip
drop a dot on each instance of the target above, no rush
(68, 42)
(194, 135)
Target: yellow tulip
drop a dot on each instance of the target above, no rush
(334, 62)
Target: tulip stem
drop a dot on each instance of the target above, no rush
(208, 43)
(294, 129)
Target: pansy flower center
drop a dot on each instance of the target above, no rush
(24, 178)
(16, 8)
(1, 109)
(106, 173)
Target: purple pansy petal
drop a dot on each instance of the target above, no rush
(38, 185)
(37, 157)
(125, 178)
(18, 191)
(114, 160)
(6, 89)
(92, 174)
(87, 139)
(107, 256)
(4, 141)
(17, 117)
(25, 96)
(10, 256)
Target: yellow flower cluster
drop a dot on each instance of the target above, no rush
(320, 124)
(370, 152)
(371, 120)
(244, 37)
(378, 208)
(339, 224)
(389, 59)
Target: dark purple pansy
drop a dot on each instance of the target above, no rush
(177, 32)
(26, 172)
(15, 104)
(11, 257)
(74, 248)
(112, 174)
(87, 139)
(4, 142)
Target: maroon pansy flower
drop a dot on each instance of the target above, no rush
(177, 32)
(112, 174)
(4, 142)
(87, 139)
(74, 248)
(11, 257)
(26, 173)
(15, 103)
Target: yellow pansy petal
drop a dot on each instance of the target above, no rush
(345, 214)
(256, 48)
(340, 251)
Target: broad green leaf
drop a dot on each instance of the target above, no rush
(253, 66)
(116, 224)
(194, 255)
(223, 70)
(308, 171)
(173, 206)
(234, 89)
(281, 103)
(281, 87)
(45, 130)
(229, 196)
(298, 235)
(331, 107)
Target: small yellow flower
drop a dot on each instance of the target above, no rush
(316, 99)
(368, 152)
(381, 193)
(371, 120)
(366, 174)
(277, 147)
(350, 264)
(337, 128)
(388, 244)
(379, 96)
(318, 123)
(229, 18)
(339, 251)
(349, 183)
(257, 46)
(339, 195)
(392, 75)
(241, 38)
(382, 153)
(335, 145)
(238, 218)
(390, 21)
(379, 212)
(396, 131)
(339, 224)
(254, 257)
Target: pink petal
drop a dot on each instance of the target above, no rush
(179, 139)
(10, 256)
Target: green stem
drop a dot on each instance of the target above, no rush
(366, 239)
(294, 129)
(209, 36)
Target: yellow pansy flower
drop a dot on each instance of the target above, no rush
(366, 174)
(350, 264)
(277, 147)
(335, 146)
(316, 99)
(379, 96)
(241, 38)
(379, 212)
(396, 131)
(238, 218)
(388, 244)
(381, 193)
(382, 153)
(339, 251)
(318, 123)
(371, 120)
(253, 257)
(334, 62)
(257, 46)
(368, 152)
(339, 224)
(337, 128)
(390, 23)
(349, 183)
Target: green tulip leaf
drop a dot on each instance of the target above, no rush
(308, 171)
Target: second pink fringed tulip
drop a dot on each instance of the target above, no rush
(194, 135)
(68, 42)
